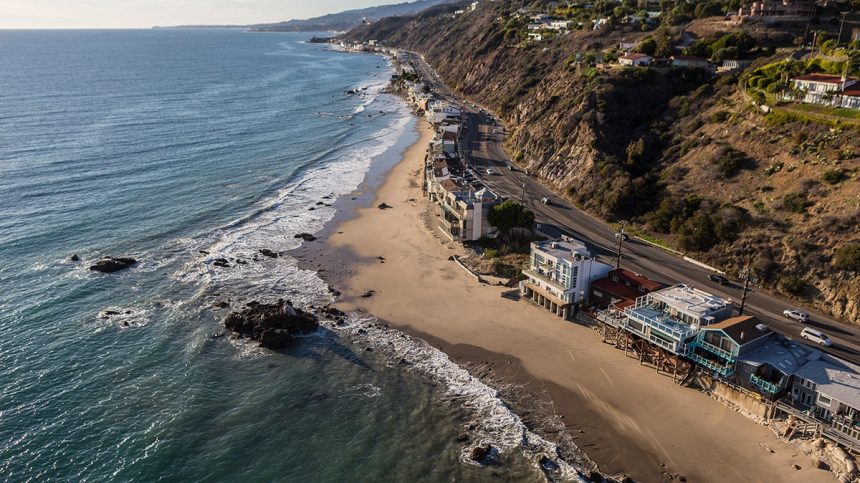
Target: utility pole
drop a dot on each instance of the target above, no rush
(620, 236)
(747, 274)
(523, 193)
(841, 24)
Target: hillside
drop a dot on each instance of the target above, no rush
(344, 21)
(680, 154)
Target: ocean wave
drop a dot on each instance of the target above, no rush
(496, 424)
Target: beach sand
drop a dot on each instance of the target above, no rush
(626, 417)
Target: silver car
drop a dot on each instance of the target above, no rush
(797, 315)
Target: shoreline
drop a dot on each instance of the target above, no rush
(624, 417)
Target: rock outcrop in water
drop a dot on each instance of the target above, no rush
(113, 264)
(273, 325)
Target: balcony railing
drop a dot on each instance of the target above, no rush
(765, 386)
(716, 350)
(723, 370)
(671, 330)
(533, 273)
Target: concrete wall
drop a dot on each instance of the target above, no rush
(746, 400)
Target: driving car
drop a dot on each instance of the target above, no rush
(490, 171)
(816, 336)
(719, 279)
(797, 315)
(544, 200)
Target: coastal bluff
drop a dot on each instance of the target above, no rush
(273, 325)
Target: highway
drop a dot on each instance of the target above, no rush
(483, 147)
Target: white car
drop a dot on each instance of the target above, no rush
(816, 336)
(490, 171)
(797, 315)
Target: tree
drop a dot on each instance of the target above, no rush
(509, 215)
(848, 257)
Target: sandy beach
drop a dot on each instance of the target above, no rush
(624, 416)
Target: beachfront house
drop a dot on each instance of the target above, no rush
(769, 368)
(828, 390)
(671, 317)
(717, 347)
(635, 60)
(827, 90)
(560, 274)
(620, 288)
(463, 214)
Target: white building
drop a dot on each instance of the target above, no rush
(463, 215)
(635, 60)
(560, 274)
(671, 317)
(828, 90)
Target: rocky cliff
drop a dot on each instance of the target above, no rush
(682, 154)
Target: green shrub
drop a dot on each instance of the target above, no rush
(834, 176)
(795, 202)
(720, 116)
(491, 253)
(731, 161)
(847, 257)
(792, 284)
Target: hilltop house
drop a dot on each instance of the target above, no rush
(620, 288)
(560, 274)
(691, 62)
(635, 59)
(827, 90)
(671, 317)
(780, 10)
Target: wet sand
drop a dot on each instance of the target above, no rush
(624, 416)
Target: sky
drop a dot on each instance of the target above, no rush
(21, 14)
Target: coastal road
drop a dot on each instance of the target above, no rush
(483, 145)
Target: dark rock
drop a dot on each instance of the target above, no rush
(268, 253)
(403, 362)
(274, 325)
(384, 206)
(239, 261)
(368, 349)
(221, 262)
(128, 312)
(311, 208)
(222, 304)
(204, 252)
(548, 465)
(381, 258)
(481, 453)
(462, 438)
(368, 294)
(126, 324)
(75, 258)
(111, 312)
(113, 264)
(362, 332)
(333, 312)
(320, 395)
(305, 236)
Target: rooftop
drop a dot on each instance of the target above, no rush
(635, 56)
(563, 248)
(834, 380)
(823, 78)
(691, 300)
(782, 354)
(742, 329)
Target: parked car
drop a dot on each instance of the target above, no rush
(719, 279)
(797, 315)
(544, 200)
(816, 336)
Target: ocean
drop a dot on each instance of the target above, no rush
(179, 147)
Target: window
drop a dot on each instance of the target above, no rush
(642, 289)
(614, 278)
(822, 399)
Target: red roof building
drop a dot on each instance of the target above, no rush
(621, 288)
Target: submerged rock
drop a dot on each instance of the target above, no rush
(305, 236)
(221, 262)
(113, 264)
(268, 253)
(384, 206)
(75, 258)
(481, 453)
(273, 325)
